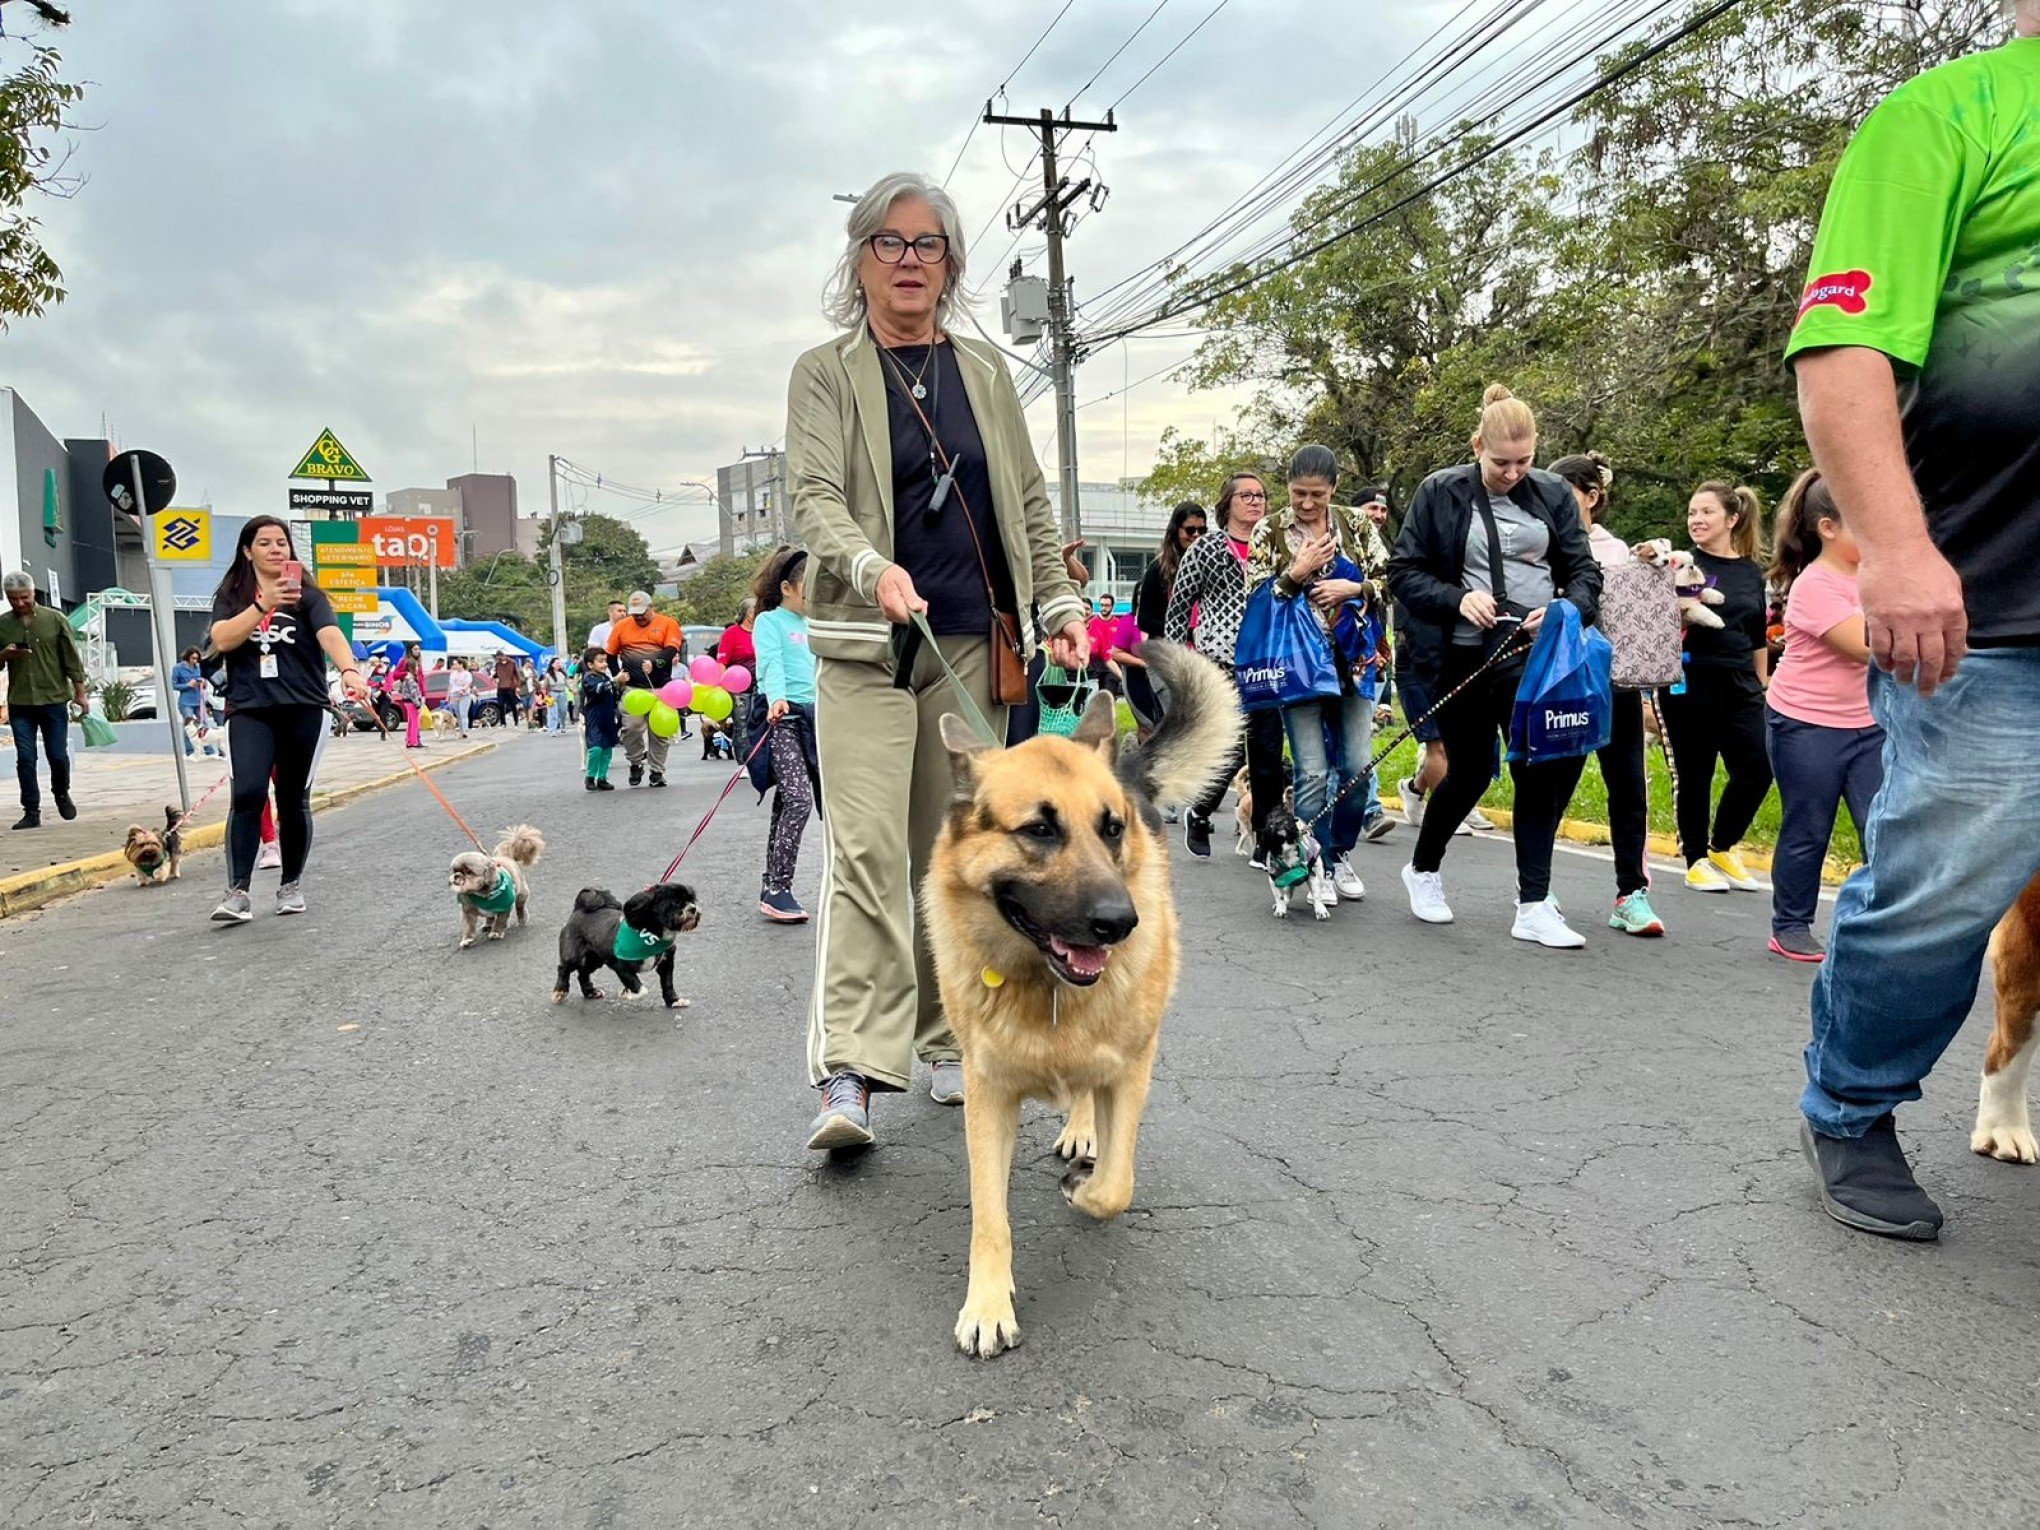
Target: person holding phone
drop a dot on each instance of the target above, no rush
(275, 635)
(42, 660)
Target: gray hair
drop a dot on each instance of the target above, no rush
(843, 299)
(16, 580)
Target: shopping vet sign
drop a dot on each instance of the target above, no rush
(182, 536)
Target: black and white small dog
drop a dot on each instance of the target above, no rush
(602, 932)
(1291, 856)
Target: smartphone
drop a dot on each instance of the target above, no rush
(294, 577)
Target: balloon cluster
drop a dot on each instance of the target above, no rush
(708, 689)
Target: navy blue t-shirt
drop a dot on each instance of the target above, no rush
(936, 549)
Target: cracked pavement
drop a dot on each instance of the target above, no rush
(323, 1222)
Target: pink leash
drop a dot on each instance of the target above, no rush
(702, 827)
(192, 811)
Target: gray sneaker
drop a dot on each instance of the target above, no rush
(234, 909)
(947, 1086)
(290, 899)
(845, 1121)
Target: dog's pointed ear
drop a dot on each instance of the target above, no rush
(1099, 728)
(964, 748)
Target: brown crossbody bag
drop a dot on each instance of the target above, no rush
(1009, 659)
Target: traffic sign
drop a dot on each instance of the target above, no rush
(329, 460)
(182, 536)
(344, 578)
(343, 555)
(159, 483)
(354, 602)
(411, 541)
(348, 502)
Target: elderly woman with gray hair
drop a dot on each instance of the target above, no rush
(917, 492)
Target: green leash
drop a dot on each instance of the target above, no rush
(907, 641)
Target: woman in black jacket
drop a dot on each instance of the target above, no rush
(1484, 549)
(1151, 601)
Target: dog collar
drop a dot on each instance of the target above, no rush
(991, 977)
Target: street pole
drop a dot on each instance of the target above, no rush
(163, 622)
(1047, 214)
(556, 574)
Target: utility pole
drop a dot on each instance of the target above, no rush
(1057, 195)
(556, 572)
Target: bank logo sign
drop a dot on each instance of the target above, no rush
(183, 536)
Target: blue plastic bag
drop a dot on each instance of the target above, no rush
(1283, 657)
(1565, 705)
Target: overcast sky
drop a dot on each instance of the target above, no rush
(600, 231)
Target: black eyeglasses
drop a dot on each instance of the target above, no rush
(891, 249)
(1251, 495)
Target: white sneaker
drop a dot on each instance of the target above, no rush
(269, 857)
(1543, 923)
(1412, 801)
(1479, 821)
(1427, 895)
(1347, 881)
(1326, 889)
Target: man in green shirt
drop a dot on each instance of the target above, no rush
(1917, 351)
(44, 670)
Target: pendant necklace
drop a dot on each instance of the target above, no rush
(914, 384)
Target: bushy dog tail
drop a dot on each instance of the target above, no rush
(522, 844)
(593, 900)
(1188, 754)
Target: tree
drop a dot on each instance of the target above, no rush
(713, 596)
(609, 561)
(33, 100)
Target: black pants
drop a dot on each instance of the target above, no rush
(1469, 727)
(263, 742)
(1720, 717)
(1628, 793)
(1260, 747)
(506, 708)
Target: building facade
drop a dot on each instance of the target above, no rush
(488, 512)
(752, 508)
(1122, 533)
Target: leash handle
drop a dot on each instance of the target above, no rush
(972, 715)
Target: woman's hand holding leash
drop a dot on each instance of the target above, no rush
(777, 710)
(898, 600)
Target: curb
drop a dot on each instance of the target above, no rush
(32, 889)
(1664, 846)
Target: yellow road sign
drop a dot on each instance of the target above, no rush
(354, 602)
(182, 536)
(344, 578)
(344, 555)
(329, 461)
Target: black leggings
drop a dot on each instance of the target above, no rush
(1628, 793)
(284, 742)
(1720, 717)
(1468, 727)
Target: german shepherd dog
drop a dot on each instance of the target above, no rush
(1049, 915)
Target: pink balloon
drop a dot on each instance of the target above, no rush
(676, 693)
(736, 680)
(705, 670)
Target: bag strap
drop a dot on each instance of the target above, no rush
(1496, 580)
(948, 467)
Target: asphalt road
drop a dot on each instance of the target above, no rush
(322, 1222)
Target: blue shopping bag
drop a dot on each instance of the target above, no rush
(1565, 705)
(1282, 657)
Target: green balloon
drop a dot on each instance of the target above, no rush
(637, 702)
(663, 720)
(713, 702)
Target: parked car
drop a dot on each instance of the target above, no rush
(142, 706)
(358, 718)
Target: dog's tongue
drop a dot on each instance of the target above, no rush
(1085, 961)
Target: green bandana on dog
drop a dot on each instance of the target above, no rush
(500, 899)
(636, 946)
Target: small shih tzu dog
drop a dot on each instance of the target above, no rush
(492, 887)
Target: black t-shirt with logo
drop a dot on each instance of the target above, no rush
(1742, 630)
(291, 634)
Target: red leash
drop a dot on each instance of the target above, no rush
(430, 785)
(702, 827)
(192, 812)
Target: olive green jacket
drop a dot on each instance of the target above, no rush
(840, 472)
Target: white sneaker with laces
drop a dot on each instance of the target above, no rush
(1427, 895)
(1479, 821)
(1412, 802)
(1543, 923)
(1347, 881)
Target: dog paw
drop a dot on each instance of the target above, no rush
(985, 1328)
(633, 996)
(559, 995)
(1282, 911)
(1093, 1199)
(1319, 911)
(497, 934)
(466, 941)
(678, 1003)
(596, 993)
(1076, 1177)
(2005, 1142)
(1077, 1142)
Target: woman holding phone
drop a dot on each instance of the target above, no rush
(274, 635)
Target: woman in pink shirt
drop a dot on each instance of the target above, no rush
(1825, 746)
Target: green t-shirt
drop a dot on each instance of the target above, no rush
(1929, 250)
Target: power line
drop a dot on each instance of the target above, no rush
(1011, 75)
(1203, 299)
(1151, 15)
(1136, 85)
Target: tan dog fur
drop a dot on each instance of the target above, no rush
(1025, 1033)
(2004, 1122)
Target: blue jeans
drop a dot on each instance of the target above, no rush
(1944, 865)
(53, 721)
(1817, 769)
(1328, 745)
(556, 713)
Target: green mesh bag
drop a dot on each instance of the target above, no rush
(1062, 696)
